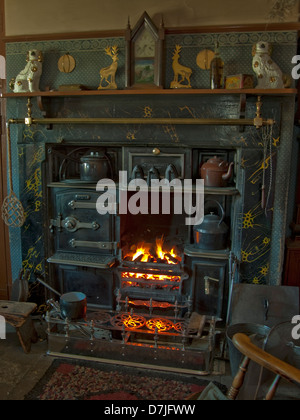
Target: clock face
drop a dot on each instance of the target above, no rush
(144, 54)
(145, 44)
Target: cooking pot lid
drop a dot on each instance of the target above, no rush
(211, 217)
(215, 159)
(93, 155)
(213, 222)
(216, 163)
(73, 297)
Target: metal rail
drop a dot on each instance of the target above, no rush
(257, 122)
(144, 121)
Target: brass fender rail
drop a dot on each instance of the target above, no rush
(257, 122)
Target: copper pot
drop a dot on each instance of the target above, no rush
(216, 172)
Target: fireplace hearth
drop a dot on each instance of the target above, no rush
(142, 286)
(150, 135)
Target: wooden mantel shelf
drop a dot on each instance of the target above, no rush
(259, 92)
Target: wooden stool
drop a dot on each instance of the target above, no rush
(17, 314)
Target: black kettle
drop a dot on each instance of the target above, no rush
(212, 234)
(94, 167)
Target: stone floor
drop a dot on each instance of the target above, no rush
(19, 372)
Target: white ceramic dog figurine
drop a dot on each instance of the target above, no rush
(28, 80)
(268, 73)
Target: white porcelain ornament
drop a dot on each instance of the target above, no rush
(28, 80)
(268, 73)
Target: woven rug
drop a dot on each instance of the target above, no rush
(77, 380)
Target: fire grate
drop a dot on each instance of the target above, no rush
(146, 280)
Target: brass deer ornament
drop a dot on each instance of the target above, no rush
(180, 70)
(108, 74)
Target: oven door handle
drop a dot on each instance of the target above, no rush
(82, 205)
(72, 225)
(107, 246)
(111, 209)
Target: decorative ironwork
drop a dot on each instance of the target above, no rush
(159, 324)
(129, 321)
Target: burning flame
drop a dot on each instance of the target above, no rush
(155, 277)
(144, 251)
(141, 251)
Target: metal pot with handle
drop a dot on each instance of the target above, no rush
(94, 167)
(212, 233)
(73, 305)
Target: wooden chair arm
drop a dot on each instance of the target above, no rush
(243, 343)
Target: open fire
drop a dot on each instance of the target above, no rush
(147, 275)
(151, 266)
(146, 253)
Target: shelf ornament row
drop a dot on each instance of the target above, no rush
(145, 62)
(268, 73)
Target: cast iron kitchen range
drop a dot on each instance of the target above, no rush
(155, 287)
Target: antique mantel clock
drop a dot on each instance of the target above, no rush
(144, 54)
